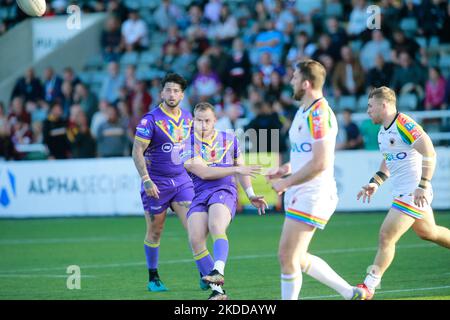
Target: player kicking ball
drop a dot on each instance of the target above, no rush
(310, 189)
(159, 136)
(213, 159)
(409, 161)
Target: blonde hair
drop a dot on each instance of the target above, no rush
(203, 106)
(384, 93)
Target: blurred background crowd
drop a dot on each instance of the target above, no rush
(238, 55)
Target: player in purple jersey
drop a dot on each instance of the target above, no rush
(165, 182)
(213, 159)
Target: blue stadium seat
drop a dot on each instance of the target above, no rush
(347, 102)
(422, 41)
(85, 77)
(409, 25)
(407, 102)
(362, 103)
(95, 62)
(334, 9)
(148, 57)
(97, 77)
(129, 58)
(356, 45)
(132, 4)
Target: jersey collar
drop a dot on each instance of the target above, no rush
(310, 106)
(393, 121)
(176, 118)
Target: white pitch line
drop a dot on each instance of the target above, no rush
(243, 257)
(381, 292)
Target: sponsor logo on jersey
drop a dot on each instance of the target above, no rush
(301, 147)
(395, 156)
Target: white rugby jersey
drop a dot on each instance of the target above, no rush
(403, 161)
(313, 123)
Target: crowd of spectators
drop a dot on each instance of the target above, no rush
(238, 55)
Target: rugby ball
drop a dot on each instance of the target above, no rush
(34, 8)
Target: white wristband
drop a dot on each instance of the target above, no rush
(249, 191)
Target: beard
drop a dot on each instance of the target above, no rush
(299, 94)
(172, 104)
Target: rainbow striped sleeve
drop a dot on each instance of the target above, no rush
(319, 120)
(407, 209)
(408, 129)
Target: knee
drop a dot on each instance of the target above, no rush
(154, 234)
(197, 242)
(215, 228)
(426, 235)
(287, 263)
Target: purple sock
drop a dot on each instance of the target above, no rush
(220, 249)
(204, 262)
(152, 254)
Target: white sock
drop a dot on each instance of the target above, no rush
(220, 266)
(291, 285)
(322, 272)
(372, 281)
(216, 287)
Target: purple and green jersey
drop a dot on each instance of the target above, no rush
(220, 151)
(166, 134)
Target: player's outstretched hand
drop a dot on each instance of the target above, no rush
(151, 189)
(260, 203)
(367, 192)
(248, 170)
(275, 173)
(420, 197)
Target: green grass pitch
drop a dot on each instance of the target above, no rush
(35, 254)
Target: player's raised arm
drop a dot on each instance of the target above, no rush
(425, 147)
(199, 167)
(139, 147)
(368, 190)
(246, 183)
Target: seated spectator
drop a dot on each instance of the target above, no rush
(338, 36)
(52, 86)
(408, 76)
(112, 83)
(275, 87)
(130, 77)
(369, 132)
(238, 70)
(218, 58)
(432, 13)
(173, 38)
(303, 48)
(270, 40)
(69, 76)
(212, 10)
(348, 76)
(141, 97)
(6, 146)
(99, 117)
(435, 90)
(357, 23)
(353, 138)
(112, 140)
(266, 119)
(184, 63)
(66, 100)
(135, 33)
(167, 14)
(444, 35)
(82, 143)
(324, 47)
(284, 15)
(400, 43)
(166, 61)
(226, 29)
(29, 87)
(55, 133)
(86, 99)
(380, 74)
(267, 66)
(111, 40)
(377, 46)
(197, 30)
(206, 83)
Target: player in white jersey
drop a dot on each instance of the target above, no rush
(311, 195)
(409, 161)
